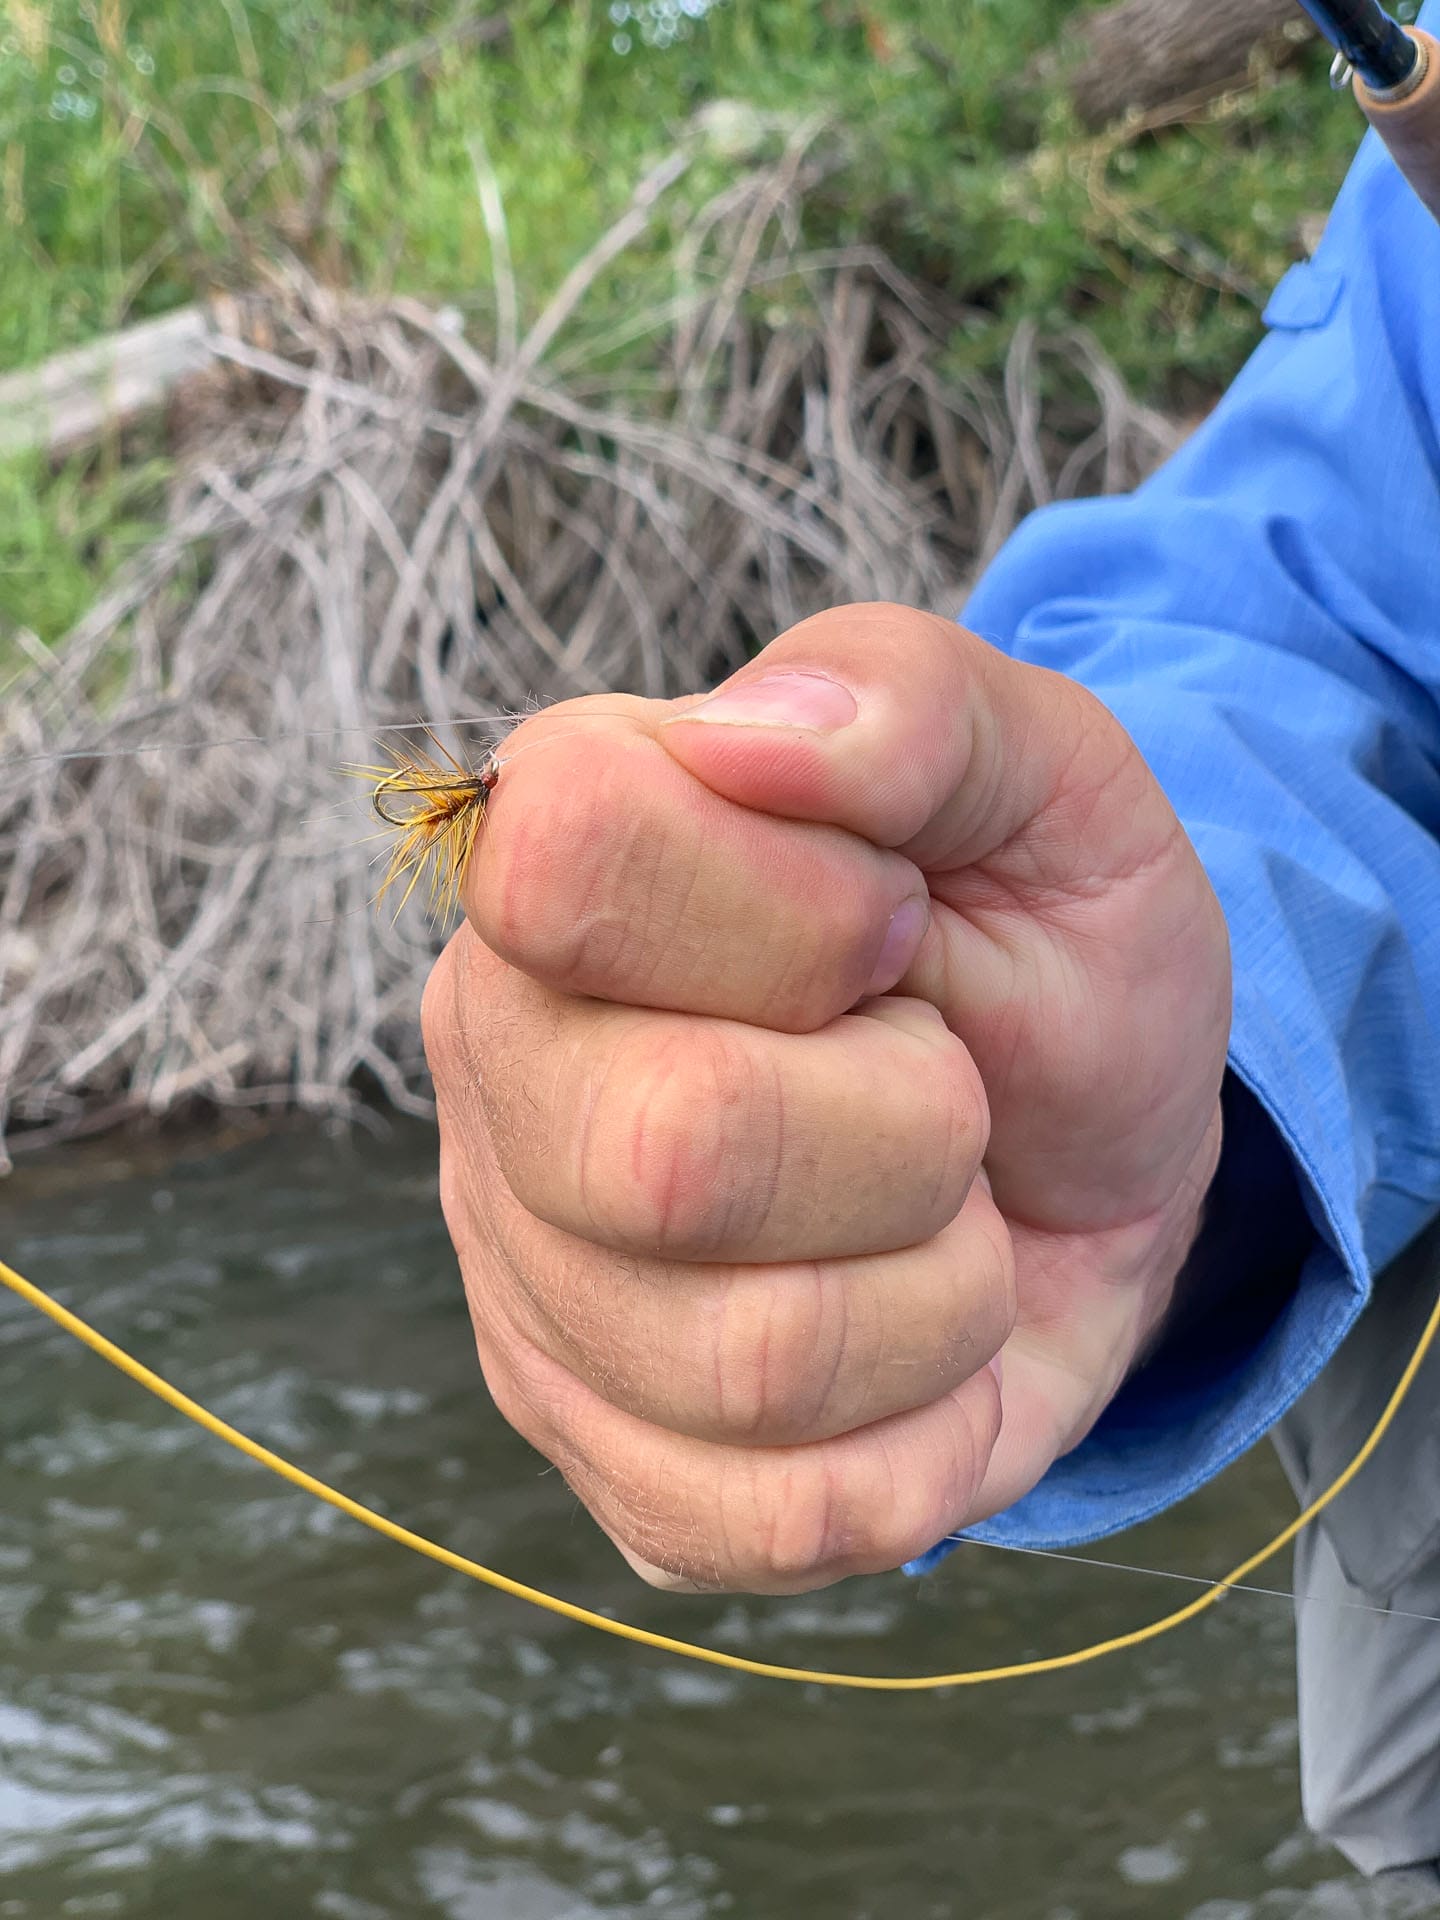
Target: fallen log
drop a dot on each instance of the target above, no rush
(75, 397)
(1140, 55)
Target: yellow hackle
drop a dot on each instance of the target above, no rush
(436, 808)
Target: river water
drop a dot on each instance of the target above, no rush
(219, 1698)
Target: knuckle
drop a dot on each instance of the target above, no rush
(569, 887)
(778, 1355)
(666, 1579)
(543, 860)
(520, 1391)
(530, 898)
(970, 1108)
(438, 1008)
(456, 1012)
(777, 1524)
(670, 1559)
(897, 1516)
(997, 1282)
(677, 1148)
(867, 1504)
(651, 1527)
(962, 1125)
(532, 1392)
(802, 1532)
(815, 964)
(944, 1494)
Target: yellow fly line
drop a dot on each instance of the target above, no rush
(685, 1649)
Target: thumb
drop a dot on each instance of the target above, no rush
(887, 721)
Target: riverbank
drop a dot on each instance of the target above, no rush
(153, 157)
(387, 522)
(804, 357)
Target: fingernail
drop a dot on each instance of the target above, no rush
(902, 938)
(996, 1364)
(810, 700)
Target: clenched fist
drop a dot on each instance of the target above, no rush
(829, 1082)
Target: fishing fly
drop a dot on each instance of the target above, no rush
(436, 808)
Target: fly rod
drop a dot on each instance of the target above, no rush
(1397, 82)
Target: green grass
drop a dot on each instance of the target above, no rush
(128, 129)
(65, 532)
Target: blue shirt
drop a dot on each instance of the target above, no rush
(1263, 615)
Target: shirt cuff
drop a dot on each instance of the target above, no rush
(1266, 1296)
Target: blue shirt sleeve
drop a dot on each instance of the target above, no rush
(1263, 616)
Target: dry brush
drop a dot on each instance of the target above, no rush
(378, 521)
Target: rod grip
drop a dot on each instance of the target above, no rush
(1410, 127)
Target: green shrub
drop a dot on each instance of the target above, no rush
(134, 176)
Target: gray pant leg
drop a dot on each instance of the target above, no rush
(1369, 1714)
(1370, 1682)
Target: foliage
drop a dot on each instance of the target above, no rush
(149, 152)
(62, 532)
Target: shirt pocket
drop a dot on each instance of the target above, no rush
(1305, 297)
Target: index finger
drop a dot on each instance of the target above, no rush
(607, 869)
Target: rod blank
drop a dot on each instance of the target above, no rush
(1380, 51)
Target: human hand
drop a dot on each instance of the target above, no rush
(796, 1062)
